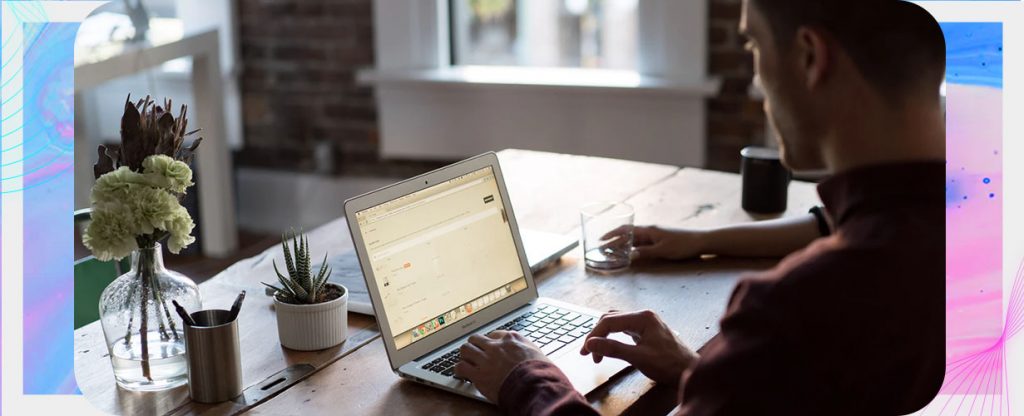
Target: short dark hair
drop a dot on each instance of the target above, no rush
(896, 45)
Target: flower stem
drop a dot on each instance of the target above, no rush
(145, 272)
(161, 326)
(158, 295)
(131, 320)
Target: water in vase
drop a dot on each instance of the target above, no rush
(167, 364)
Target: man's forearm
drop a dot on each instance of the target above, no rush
(771, 238)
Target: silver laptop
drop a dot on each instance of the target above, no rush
(544, 249)
(443, 259)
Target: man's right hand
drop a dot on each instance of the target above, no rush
(658, 353)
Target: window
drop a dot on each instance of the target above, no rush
(456, 78)
(588, 33)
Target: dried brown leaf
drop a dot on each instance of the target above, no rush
(103, 164)
(131, 136)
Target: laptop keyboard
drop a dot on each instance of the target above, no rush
(549, 327)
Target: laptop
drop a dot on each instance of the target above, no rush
(542, 250)
(443, 259)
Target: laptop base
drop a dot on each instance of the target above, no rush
(581, 370)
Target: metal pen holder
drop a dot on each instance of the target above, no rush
(214, 358)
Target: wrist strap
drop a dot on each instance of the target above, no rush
(819, 214)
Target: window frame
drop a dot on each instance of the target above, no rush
(414, 38)
(453, 41)
(663, 109)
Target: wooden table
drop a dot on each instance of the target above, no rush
(546, 190)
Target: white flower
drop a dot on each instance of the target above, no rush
(168, 173)
(110, 235)
(127, 205)
(180, 226)
(114, 185)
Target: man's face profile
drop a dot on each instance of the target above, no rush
(786, 102)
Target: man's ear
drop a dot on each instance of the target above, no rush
(813, 54)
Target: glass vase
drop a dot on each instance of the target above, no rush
(145, 336)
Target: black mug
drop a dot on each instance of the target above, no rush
(765, 181)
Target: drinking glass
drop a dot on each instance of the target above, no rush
(607, 235)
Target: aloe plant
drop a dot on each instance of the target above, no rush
(301, 286)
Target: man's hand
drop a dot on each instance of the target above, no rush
(652, 242)
(487, 361)
(658, 354)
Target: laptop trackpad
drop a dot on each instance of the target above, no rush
(581, 370)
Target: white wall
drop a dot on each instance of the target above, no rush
(103, 105)
(454, 122)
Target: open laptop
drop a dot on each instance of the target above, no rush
(443, 259)
(542, 250)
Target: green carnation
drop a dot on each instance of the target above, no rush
(127, 205)
(168, 173)
(114, 185)
(153, 208)
(111, 234)
(180, 227)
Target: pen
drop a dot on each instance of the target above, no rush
(237, 306)
(184, 315)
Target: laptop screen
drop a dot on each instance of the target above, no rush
(441, 254)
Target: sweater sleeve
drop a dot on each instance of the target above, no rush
(538, 387)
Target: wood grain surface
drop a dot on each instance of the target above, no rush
(546, 191)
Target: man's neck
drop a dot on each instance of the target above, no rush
(873, 135)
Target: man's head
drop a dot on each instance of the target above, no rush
(821, 61)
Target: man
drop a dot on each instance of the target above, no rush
(849, 323)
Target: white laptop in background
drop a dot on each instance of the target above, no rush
(443, 259)
(544, 249)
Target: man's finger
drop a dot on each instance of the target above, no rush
(466, 371)
(472, 354)
(615, 241)
(480, 341)
(620, 230)
(647, 252)
(621, 322)
(606, 347)
(499, 334)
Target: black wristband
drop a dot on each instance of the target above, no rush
(819, 214)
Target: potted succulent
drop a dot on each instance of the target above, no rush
(312, 313)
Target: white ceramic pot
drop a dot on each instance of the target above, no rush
(313, 327)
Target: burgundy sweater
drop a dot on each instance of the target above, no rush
(852, 324)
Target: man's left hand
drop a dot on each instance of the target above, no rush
(487, 361)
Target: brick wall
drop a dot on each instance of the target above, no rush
(734, 120)
(302, 109)
(299, 95)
